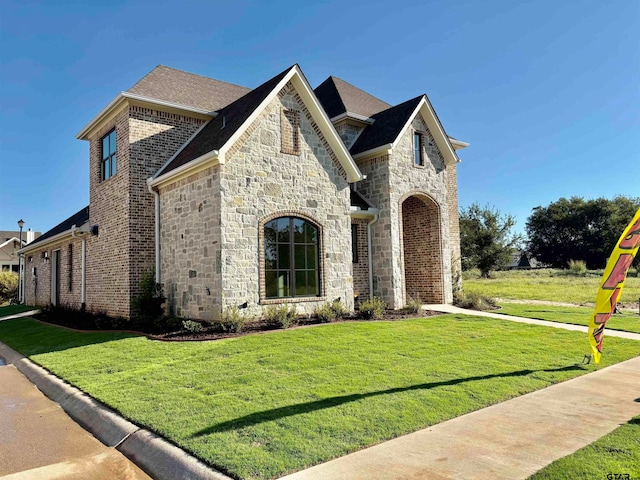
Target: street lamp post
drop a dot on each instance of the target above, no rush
(20, 276)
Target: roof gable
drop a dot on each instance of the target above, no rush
(337, 97)
(188, 89)
(211, 143)
(390, 125)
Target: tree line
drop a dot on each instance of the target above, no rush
(567, 229)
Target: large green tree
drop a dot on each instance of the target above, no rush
(578, 229)
(486, 241)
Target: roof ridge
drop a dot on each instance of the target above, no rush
(188, 73)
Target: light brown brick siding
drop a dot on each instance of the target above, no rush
(361, 269)
(454, 225)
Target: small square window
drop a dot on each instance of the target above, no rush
(108, 162)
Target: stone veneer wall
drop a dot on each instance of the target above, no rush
(190, 245)
(390, 180)
(38, 289)
(361, 268)
(454, 225)
(348, 133)
(259, 181)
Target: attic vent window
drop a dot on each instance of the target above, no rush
(290, 131)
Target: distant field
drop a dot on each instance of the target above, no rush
(547, 285)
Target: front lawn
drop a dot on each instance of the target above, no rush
(627, 321)
(547, 285)
(615, 454)
(13, 309)
(265, 405)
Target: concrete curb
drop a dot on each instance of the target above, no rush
(164, 461)
(153, 454)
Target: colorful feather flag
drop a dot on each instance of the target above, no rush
(612, 282)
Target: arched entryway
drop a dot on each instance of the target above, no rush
(422, 247)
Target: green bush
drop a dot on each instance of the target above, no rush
(191, 326)
(474, 301)
(80, 318)
(577, 267)
(8, 287)
(232, 320)
(281, 316)
(372, 309)
(147, 306)
(326, 313)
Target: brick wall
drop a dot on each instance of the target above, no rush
(361, 268)
(454, 225)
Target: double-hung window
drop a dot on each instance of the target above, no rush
(108, 164)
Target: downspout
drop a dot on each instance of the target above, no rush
(83, 281)
(370, 253)
(156, 197)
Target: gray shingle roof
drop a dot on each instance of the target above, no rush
(386, 128)
(188, 89)
(76, 219)
(337, 96)
(213, 136)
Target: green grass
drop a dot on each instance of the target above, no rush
(617, 452)
(627, 321)
(13, 309)
(261, 406)
(547, 285)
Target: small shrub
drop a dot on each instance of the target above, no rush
(326, 313)
(474, 301)
(167, 324)
(281, 316)
(372, 309)
(8, 287)
(147, 306)
(191, 326)
(339, 309)
(577, 267)
(232, 320)
(414, 305)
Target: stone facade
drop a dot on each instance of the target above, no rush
(361, 266)
(391, 179)
(349, 132)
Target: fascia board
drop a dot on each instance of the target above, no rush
(194, 166)
(436, 129)
(48, 241)
(14, 239)
(458, 144)
(357, 212)
(326, 127)
(115, 106)
(374, 152)
(354, 116)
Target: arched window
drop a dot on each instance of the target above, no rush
(291, 258)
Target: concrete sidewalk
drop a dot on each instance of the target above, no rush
(511, 440)
(38, 440)
(534, 321)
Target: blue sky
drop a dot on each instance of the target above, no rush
(547, 92)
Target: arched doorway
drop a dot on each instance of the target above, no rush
(423, 276)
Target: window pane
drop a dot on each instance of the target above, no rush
(312, 283)
(298, 229)
(312, 256)
(283, 230)
(113, 165)
(284, 255)
(283, 284)
(112, 142)
(271, 284)
(105, 147)
(311, 233)
(299, 257)
(301, 284)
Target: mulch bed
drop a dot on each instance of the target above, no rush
(261, 326)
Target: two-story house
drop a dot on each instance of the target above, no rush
(280, 194)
